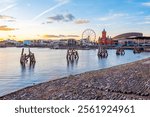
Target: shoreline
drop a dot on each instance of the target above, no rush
(78, 47)
(126, 81)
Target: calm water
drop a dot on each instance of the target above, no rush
(52, 64)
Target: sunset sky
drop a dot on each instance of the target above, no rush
(51, 19)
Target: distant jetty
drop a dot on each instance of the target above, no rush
(123, 82)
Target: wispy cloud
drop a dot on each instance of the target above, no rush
(147, 17)
(73, 36)
(5, 17)
(7, 1)
(145, 22)
(82, 21)
(61, 18)
(59, 36)
(7, 8)
(146, 4)
(112, 16)
(6, 28)
(61, 2)
(50, 36)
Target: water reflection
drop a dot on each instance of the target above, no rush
(72, 63)
(23, 67)
(27, 70)
(102, 61)
(31, 66)
(102, 57)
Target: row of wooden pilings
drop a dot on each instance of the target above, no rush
(72, 55)
(102, 52)
(120, 51)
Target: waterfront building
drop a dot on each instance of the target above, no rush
(141, 40)
(10, 43)
(72, 42)
(105, 40)
(63, 42)
(127, 35)
(27, 42)
(2, 43)
(85, 42)
(131, 38)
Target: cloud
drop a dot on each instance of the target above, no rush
(56, 18)
(61, 3)
(147, 18)
(112, 16)
(5, 17)
(69, 17)
(148, 22)
(59, 36)
(145, 22)
(73, 36)
(49, 22)
(62, 0)
(61, 18)
(146, 4)
(50, 36)
(11, 20)
(7, 1)
(6, 28)
(140, 13)
(82, 21)
(8, 7)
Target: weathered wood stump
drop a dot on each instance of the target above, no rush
(136, 50)
(120, 51)
(32, 58)
(102, 53)
(25, 58)
(72, 55)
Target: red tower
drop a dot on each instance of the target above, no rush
(104, 34)
(104, 38)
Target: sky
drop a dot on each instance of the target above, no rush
(55, 19)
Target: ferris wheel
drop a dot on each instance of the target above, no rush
(89, 34)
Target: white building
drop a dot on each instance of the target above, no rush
(27, 42)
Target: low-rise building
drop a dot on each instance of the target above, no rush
(2, 43)
(27, 42)
(72, 42)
